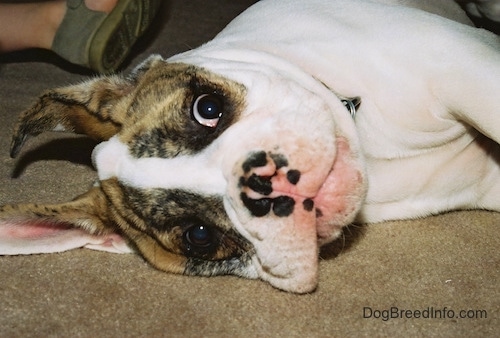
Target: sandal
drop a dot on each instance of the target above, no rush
(101, 41)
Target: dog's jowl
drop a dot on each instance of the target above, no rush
(245, 155)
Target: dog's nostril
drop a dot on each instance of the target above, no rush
(279, 160)
(308, 204)
(283, 206)
(260, 184)
(258, 208)
(255, 160)
(293, 176)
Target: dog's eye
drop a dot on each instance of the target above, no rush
(207, 110)
(199, 239)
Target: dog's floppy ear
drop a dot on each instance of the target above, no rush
(83, 222)
(96, 108)
(87, 108)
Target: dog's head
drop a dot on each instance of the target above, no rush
(201, 173)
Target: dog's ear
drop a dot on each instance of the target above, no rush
(83, 222)
(89, 108)
(96, 108)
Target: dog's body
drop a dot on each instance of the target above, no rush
(241, 157)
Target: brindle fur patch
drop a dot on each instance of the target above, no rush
(162, 124)
(150, 109)
(232, 266)
(165, 216)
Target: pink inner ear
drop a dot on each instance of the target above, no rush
(40, 236)
(31, 229)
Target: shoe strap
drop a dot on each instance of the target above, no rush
(74, 36)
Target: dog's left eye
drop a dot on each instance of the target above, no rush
(207, 110)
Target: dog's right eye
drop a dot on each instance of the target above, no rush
(199, 239)
(207, 110)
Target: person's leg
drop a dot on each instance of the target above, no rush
(29, 25)
(97, 34)
(34, 25)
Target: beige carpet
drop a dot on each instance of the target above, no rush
(433, 268)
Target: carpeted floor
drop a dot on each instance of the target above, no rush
(433, 268)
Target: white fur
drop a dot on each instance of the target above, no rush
(417, 74)
(193, 173)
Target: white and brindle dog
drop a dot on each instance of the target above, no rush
(247, 154)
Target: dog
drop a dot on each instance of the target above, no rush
(247, 154)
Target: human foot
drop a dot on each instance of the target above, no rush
(101, 40)
(105, 6)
